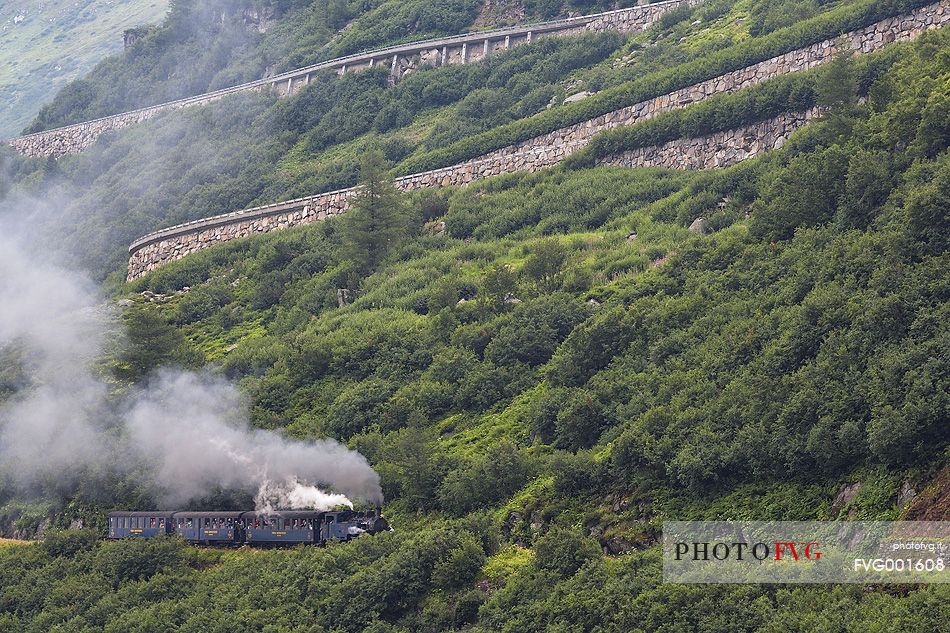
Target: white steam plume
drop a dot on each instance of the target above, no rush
(189, 431)
(294, 494)
(193, 430)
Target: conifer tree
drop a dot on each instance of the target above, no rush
(837, 89)
(379, 219)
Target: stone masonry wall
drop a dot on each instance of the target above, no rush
(400, 59)
(721, 149)
(73, 139)
(160, 247)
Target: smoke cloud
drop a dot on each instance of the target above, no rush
(188, 432)
(193, 429)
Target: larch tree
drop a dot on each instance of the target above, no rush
(378, 221)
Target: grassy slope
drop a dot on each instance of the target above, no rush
(46, 44)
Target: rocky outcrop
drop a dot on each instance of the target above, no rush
(715, 150)
(401, 60)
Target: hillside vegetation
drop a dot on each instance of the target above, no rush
(253, 149)
(205, 45)
(45, 45)
(541, 367)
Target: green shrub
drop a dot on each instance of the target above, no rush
(69, 543)
(564, 551)
(133, 560)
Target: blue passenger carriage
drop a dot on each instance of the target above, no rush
(209, 528)
(145, 524)
(285, 527)
(289, 527)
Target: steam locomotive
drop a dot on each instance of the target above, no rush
(291, 527)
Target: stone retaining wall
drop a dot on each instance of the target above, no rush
(721, 149)
(160, 247)
(400, 59)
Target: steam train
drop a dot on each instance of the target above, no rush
(291, 527)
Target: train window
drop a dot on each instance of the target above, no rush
(207, 522)
(151, 522)
(161, 523)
